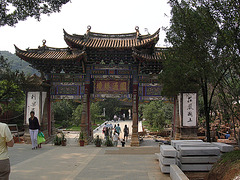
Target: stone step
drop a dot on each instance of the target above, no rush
(174, 142)
(199, 151)
(223, 147)
(167, 160)
(168, 151)
(199, 159)
(164, 168)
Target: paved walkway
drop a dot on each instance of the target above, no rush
(89, 162)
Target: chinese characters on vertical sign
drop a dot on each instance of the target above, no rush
(32, 104)
(189, 109)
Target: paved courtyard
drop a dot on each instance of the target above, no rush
(89, 162)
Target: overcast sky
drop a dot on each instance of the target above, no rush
(105, 16)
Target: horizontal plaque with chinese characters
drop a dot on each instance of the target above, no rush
(110, 86)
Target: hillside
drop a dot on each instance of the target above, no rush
(18, 64)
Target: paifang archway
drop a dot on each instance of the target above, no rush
(96, 65)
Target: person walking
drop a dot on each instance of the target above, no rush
(6, 140)
(118, 129)
(115, 139)
(33, 129)
(126, 132)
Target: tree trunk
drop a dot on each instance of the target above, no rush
(206, 109)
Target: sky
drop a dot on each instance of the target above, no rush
(105, 16)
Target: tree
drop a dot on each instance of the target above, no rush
(112, 107)
(95, 110)
(14, 11)
(194, 62)
(63, 111)
(157, 113)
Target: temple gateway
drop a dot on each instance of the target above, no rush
(94, 66)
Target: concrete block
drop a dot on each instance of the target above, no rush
(164, 168)
(157, 156)
(167, 160)
(195, 167)
(199, 151)
(223, 147)
(199, 159)
(193, 144)
(173, 142)
(168, 151)
(176, 173)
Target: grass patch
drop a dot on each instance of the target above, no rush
(73, 128)
(230, 157)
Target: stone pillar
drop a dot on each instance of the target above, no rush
(135, 140)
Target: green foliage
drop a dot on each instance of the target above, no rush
(157, 113)
(95, 110)
(97, 141)
(11, 93)
(63, 111)
(81, 136)
(14, 11)
(108, 142)
(57, 140)
(15, 63)
(76, 115)
(112, 107)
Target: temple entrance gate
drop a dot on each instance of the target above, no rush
(96, 65)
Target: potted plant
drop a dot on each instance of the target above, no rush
(57, 140)
(81, 139)
(97, 141)
(64, 140)
(108, 142)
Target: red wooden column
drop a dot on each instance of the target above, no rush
(135, 140)
(86, 118)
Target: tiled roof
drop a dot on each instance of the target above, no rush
(97, 40)
(48, 53)
(155, 56)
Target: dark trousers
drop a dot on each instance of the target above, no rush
(4, 169)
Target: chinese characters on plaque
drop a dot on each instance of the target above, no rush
(32, 104)
(102, 86)
(189, 109)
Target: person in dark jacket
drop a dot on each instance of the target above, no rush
(33, 129)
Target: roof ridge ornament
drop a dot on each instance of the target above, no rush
(44, 42)
(137, 31)
(88, 29)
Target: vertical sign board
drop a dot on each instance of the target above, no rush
(33, 99)
(189, 105)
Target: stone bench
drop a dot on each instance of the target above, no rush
(223, 147)
(199, 151)
(174, 142)
(176, 173)
(168, 151)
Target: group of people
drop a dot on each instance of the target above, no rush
(114, 133)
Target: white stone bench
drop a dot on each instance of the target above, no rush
(199, 151)
(223, 147)
(174, 142)
(168, 151)
(176, 173)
